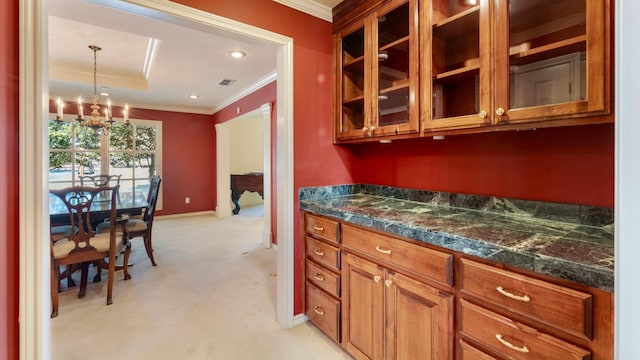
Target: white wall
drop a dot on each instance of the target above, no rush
(247, 152)
(627, 291)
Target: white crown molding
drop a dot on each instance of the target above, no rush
(309, 7)
(247, 91)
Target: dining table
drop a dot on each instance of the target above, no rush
(127, 205)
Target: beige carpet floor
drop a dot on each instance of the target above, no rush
(212, 296)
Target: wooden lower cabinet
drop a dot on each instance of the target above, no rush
(381, 296)
(387, 315)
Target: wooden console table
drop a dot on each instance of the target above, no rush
(252, 182)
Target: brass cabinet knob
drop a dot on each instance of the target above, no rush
(482, 114)
(499, 111)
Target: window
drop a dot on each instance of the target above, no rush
(133, 152)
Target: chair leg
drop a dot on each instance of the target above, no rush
(125, 264)
(149, 249)
(112, 270)
(55, 282)
(84, 274)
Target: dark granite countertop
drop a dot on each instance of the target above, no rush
(571, 242)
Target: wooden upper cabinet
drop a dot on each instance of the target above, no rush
(377, 73)
(456, 64)
(502, 62)
(551, 59)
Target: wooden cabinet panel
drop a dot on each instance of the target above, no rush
(323, 253)
(323, 278)
(552, 304)
(418, 260)
(419, 320)
(323, 228)
(324, 311)
(511, 339)
(363, 321)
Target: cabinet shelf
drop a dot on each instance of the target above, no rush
(354, 65)
(353, 101)
(396, 86)
(462, 72)
(462, 23)
(558, 48)
(400, 44)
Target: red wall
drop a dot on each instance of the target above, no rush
(9, 271)
(253, 101)
(188, 158)
(570, 165)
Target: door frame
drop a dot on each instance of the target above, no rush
(34, 299)
(223, 167)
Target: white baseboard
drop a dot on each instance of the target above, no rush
(299, 319)
(196, 213)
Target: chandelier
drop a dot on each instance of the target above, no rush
(95, 122)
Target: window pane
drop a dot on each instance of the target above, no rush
(60, 135)
(88, 163)
(146, 137)
(145, 166)
(121, 137)
(87, 139)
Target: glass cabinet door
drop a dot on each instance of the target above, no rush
(395, 69)
(351, 82)
(549, 59)
(457, 33)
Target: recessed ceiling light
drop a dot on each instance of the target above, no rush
(104, 94)
(193, 96)
(237, 54)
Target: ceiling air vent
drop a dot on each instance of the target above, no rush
(226, 82)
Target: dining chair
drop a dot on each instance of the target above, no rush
(83, 245)
(142, 227)
(101, 180)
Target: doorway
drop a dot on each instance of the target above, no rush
(34, 219)
(224, 167)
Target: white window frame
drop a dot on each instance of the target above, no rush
(105, 151)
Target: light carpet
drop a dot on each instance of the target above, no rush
(212, 296)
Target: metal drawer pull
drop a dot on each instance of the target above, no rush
(383, 251)
(504, 342)
(502, 291)
(318, 277)
(377, 278)
(320, 311)
(318, 252)
(318, 228)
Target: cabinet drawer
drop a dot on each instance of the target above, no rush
(323, 228)
(551, 304)
(422, 261)
(468, 352)
(323, 253)
(323, 278)
(324, 311)
(511, 339)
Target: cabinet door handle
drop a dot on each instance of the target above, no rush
(318, 277)
(377, 278)
(522, 349)
(318, 310)
(383, 251)
(482, 114)
(318, 252)
(388, 283)
(499, 111)
(524, 298)
(318, 228)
